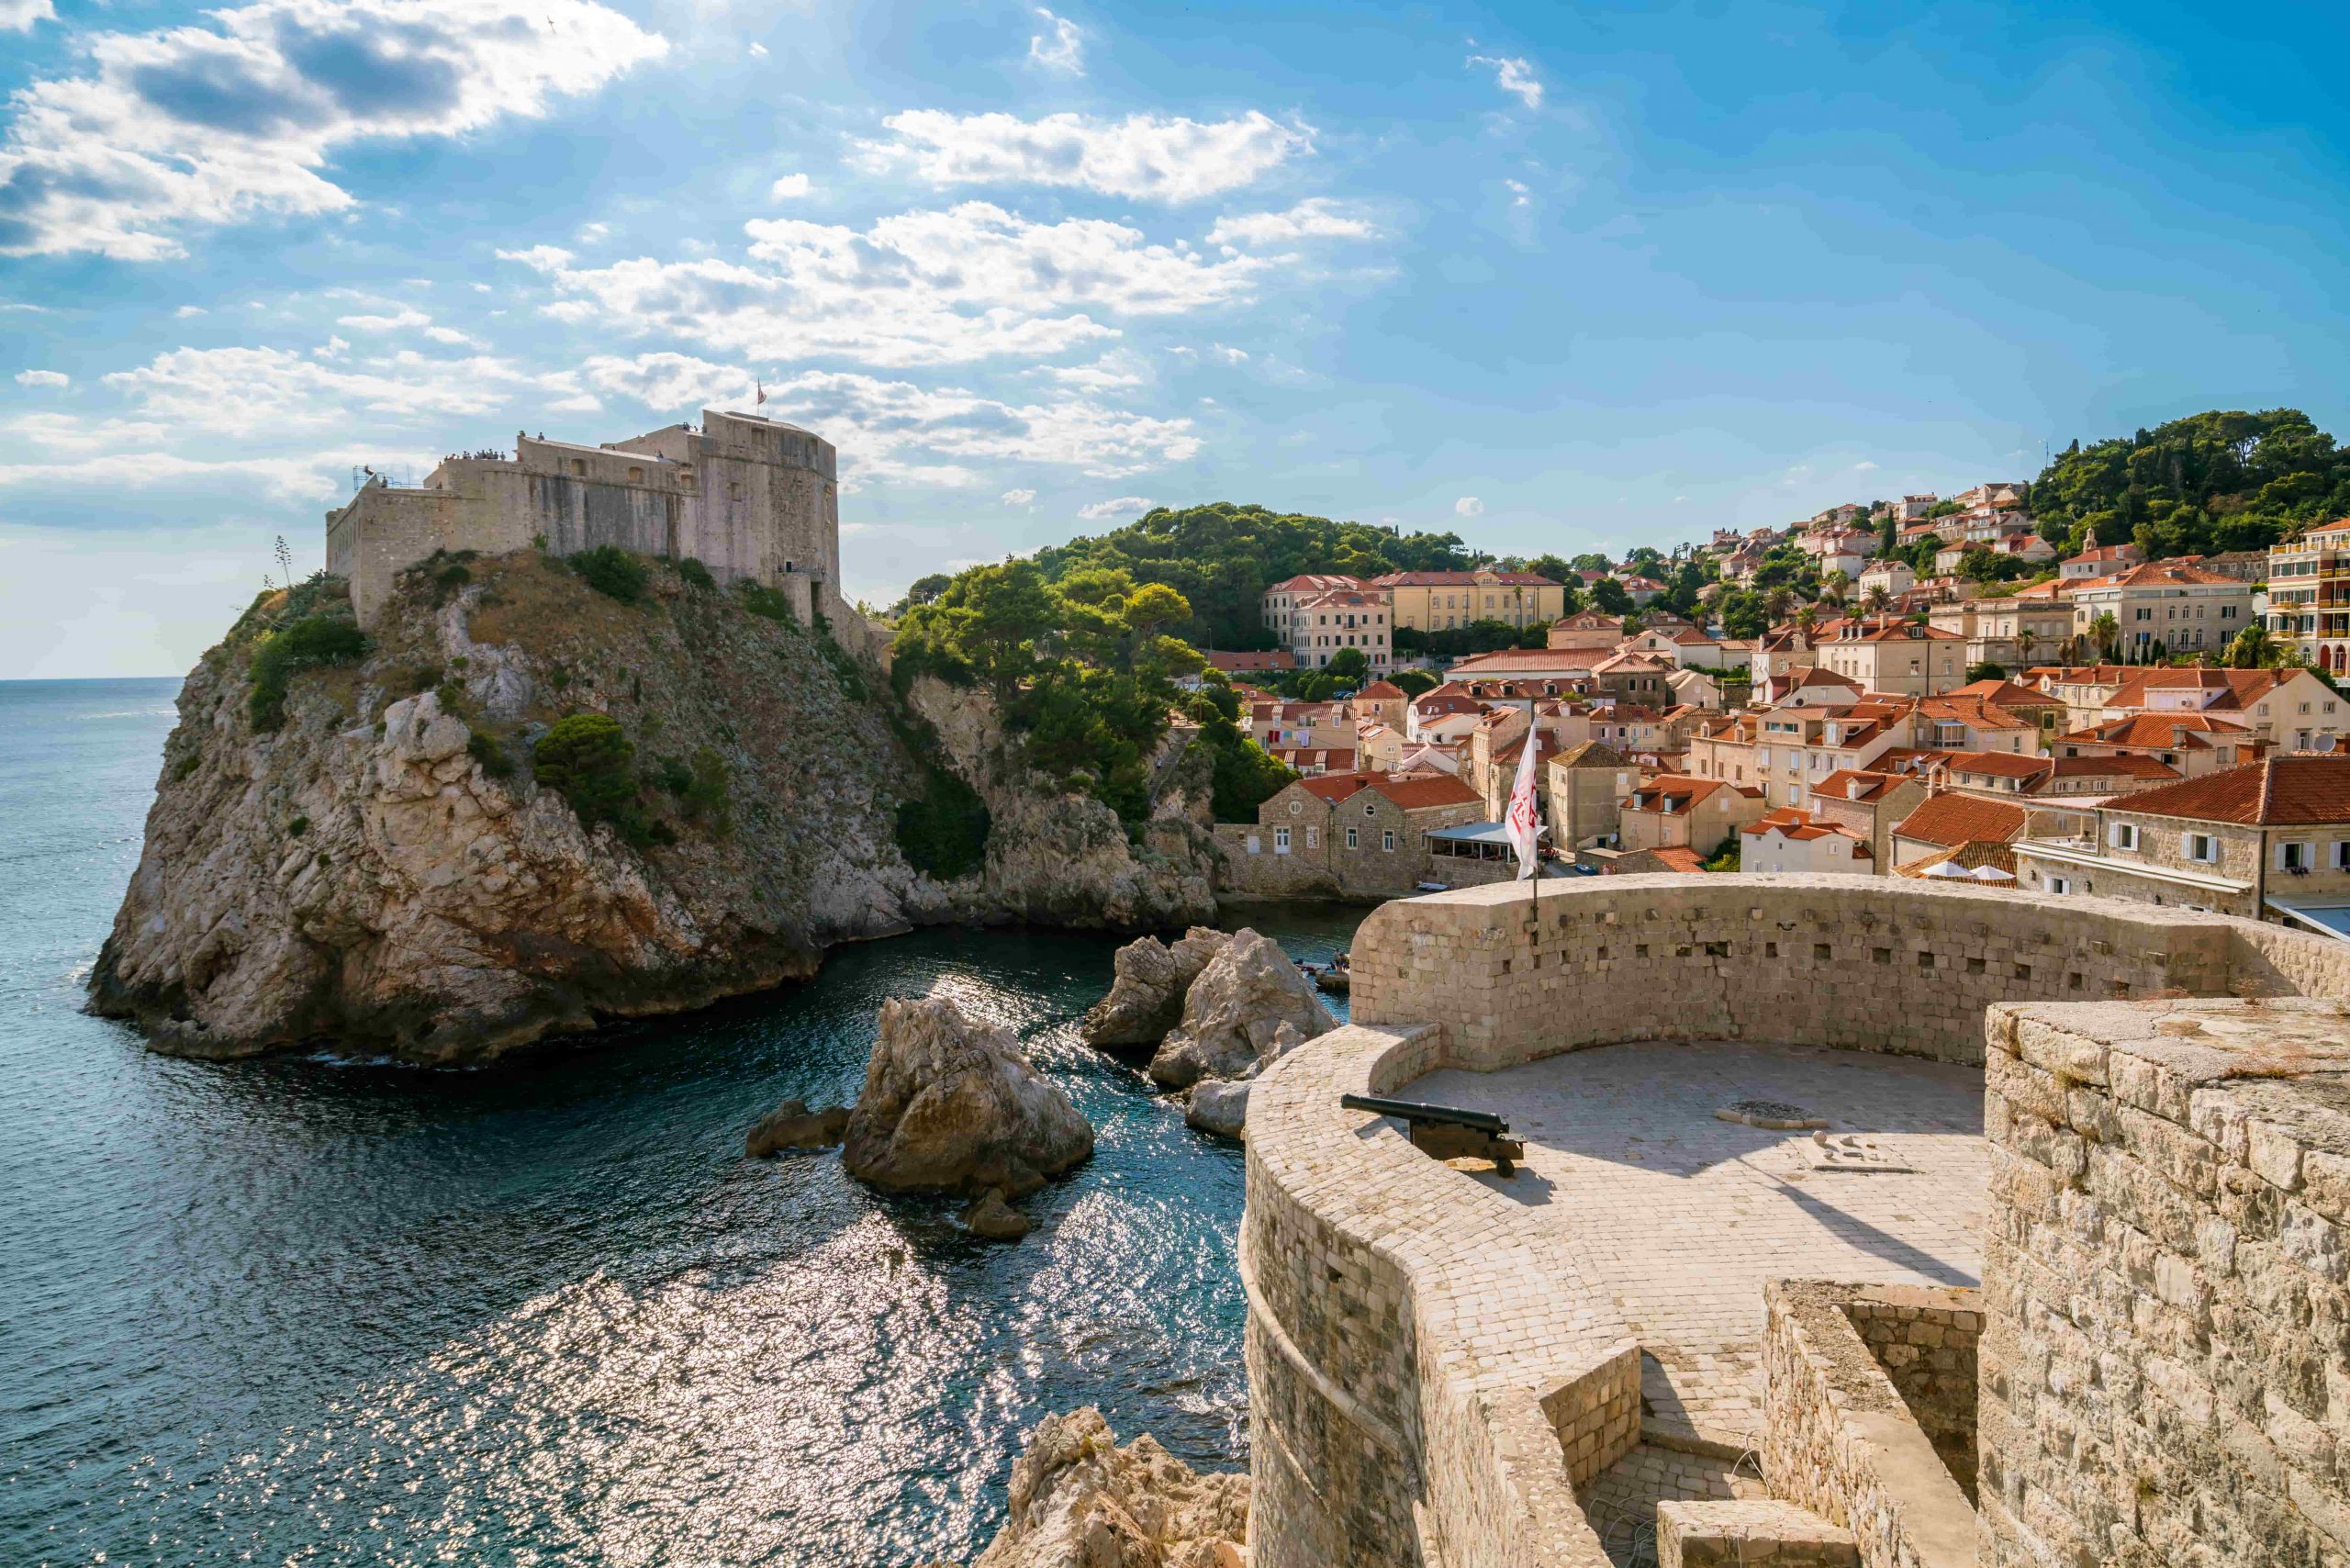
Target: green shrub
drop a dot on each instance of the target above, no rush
(587, 760)
(707, 797)
(943, 832)
(696, 575)
(489, 755)
(297, 827)
(612, 572)
(671, 774)
(306, 644)
(188, 763)
(761, 599)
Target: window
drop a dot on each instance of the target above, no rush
(2060, 884)
(1387, 839)
(2293, 856)
(1280, 841)
(2125, 835)
(1351, 839)
(2201, 847)
(1296, 808)
(1370, 808)
(2341, 853)
(1313, 837)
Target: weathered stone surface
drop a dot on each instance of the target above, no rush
(1219, 1106)
(793, 1125)
(993, 1218)
(1079, 1501)
(951, 1104)
(384, 872)
(1234, 1011)
(1146, 1000)
(1751, 1533)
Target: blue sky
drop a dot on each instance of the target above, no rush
(1560, 278)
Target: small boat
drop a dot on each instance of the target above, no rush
(1332, 976)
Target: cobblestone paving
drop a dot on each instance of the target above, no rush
(1683, 1216)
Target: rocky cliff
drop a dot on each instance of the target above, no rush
(358, 852)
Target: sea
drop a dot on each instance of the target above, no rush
(318, 1310)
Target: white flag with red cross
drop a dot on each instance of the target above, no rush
(1522, 822)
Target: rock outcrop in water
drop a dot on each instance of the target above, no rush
(950, 1104)
(1145, 999)
(793, 1125)
(1079, 1501)
(368, 858)
(1234, 1013)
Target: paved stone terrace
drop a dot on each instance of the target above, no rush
(1681, 1217)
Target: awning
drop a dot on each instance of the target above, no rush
(2326, 919)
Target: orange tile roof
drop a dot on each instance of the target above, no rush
(1680, 858)
(1967, 856)
(1379, 689)
(2275, 792)
(1951, 818)
(1999, 764)
(2121, 765)
(1416, 791)
(1839, 785)
(1463, 579)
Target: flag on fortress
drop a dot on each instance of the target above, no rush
(1524, 829)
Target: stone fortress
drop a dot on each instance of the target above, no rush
(746, 497)
(1859, 1222)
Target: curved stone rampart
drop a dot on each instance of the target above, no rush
(1427, 1385)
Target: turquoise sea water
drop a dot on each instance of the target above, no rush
(303, 1311)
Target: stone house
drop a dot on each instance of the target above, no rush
(1636, 677)
(1892, 573)
(1583, 785)
(1344, 836)
(1868, 805)
(1995, 630)
(1672, 809)
(1975, 723)
(2194, 744)
(1317, 725)
(1382, 701)
(2099, 561)
(2267, 841)
(1323, 624)
(1278, 605)
(2182, 608)
(1949, 820)
(1592, 629)
(1441, 602)
(1792, 840)
(1897, 657)
(2287, 709)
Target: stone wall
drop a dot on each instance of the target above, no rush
(2167, 1360)
(1923, 1338)
(1839, 1436)
(1423, 1390)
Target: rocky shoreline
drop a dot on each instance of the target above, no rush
(374, 863)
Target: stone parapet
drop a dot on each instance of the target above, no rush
(1758, 1534)
(1839, 1439)
(2166, 1365)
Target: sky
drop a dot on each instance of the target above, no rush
(1554, 277)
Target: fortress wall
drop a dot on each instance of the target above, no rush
(2166, 1281)
(1403, 1322)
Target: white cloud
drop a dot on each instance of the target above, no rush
(1123, 506)
(67, 433)
(1513, 74)
(1469, 506)
(1060, 47)
(1229, 354)
(1119, 368)
(1143, 156)
(895, 430)
(451, 336)
(319, 477)
(789, 188)
(539, 258)
(925, 287)
(1520, 195)
(185, 311)
(43, 378)
(255, 392)
(407, 318)
(590, 234)
(18, 15)
(759, 50)
(1316, 217)
(1865, 466)
(1021, 497)
(232, 119)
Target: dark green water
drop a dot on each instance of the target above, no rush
(313, 1312)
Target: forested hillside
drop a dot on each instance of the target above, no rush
(2196, 486)
(1220, 558)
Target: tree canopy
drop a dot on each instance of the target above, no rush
(1222, 557)
(2207, 483)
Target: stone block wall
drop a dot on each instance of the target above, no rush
(2165, 1364)
(1757, 1534)
(1924, 1338)
(1840, 1441)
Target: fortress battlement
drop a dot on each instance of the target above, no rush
(746, 497)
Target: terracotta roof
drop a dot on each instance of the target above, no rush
(1508, 661)
(1967, 856)
(1315, 582)
(1337, 759)
(2119, 765)
(2155, 574)
(1953, 819)
(1380, 688)
(1463, 579)
(1590, 754)
(1843, 784)
(1999, 764)
(1414, 791)
(2006, 694)
(1972, 713)
(1680, 858)
(1794, 822)
(2276, 791)
(1275, 658)
(2161, 731)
